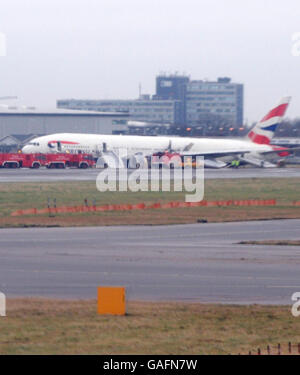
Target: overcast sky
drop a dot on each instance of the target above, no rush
(102, 49)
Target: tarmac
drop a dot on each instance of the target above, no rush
(194, 263)
(58, 175)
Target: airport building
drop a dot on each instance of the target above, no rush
(143, 109)
(222, 99)
(14, 142)
(25, 122)
(177, 101)
(173, 87)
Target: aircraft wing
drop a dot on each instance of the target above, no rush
(235, 152)
(214, 154)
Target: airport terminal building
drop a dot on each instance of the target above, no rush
(177, 101)
(24, 123)
(221, 98)
(143, 109)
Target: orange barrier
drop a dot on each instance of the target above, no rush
(139, 206)
(29, 211)
(296, 203)
(154, 205)
(17, 213)
(143, 206)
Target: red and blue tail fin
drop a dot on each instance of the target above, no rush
(264, 130)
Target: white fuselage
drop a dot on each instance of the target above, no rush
(146, 145)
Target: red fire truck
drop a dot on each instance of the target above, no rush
(19, 160)
(69, 160)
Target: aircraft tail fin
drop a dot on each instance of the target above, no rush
(264, 130)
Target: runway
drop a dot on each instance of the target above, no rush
(198, 262)
(56, 175)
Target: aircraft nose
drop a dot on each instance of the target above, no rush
(26, 149)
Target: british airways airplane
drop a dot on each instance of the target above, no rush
(217, 153)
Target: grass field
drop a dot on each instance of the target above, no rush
(15, 196)
(40, 326)
(37, 326)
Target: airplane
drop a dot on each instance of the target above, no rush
(218, 153)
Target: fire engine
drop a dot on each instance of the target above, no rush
(82, 161)
(19, 160)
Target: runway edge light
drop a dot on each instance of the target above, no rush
(111, 300)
